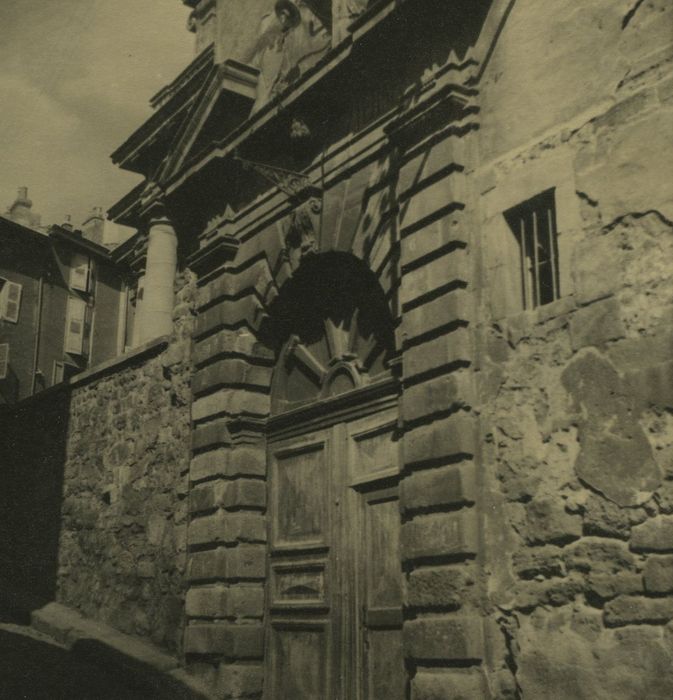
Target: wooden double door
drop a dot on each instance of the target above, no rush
(334, 602)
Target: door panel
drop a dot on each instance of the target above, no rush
(334, 610)
(298, 585)
(383, 674)
(373, 450)
(301, 629)
(299, 662)
(385, 677)
(374, 476)
(382, 562)
(299, 498)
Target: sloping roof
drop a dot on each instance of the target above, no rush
(8, 226)
(76, 240)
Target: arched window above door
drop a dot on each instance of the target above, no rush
(332, 331)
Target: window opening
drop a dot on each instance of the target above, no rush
(4, 360)
(533, 223)
(75, 330)
(80, 272)
(10, 300)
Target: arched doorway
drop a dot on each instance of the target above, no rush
(334, 601)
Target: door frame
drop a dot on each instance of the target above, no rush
(331, 416)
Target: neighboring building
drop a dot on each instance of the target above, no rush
(62, 304)
(102, 231)
(21, 211)
(25, 257)
(398, 420)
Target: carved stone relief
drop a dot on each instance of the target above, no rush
(292, 39)
(301, 232)
(345, 12)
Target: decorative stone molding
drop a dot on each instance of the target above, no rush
(302, 232)
(219, 249)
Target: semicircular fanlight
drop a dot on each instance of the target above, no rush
(336, 331)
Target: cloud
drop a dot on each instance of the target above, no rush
(75, 80)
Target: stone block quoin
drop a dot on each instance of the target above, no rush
(227, 529)
(438, 491)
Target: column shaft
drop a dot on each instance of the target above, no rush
(158, 297)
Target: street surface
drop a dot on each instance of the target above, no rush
(32, 667)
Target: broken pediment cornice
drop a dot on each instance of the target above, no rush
(178, 104)
(171, 105)
(126, 210)
(204, 150)
(203, 60)
(314, 92)
(225, 100)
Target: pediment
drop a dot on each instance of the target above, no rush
(225, 101)
(145, 149)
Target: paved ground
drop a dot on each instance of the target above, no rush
(32, 667)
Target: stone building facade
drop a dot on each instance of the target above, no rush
(427, 372)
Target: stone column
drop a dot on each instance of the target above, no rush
(158, 295)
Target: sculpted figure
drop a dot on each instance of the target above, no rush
(292, 39)
(345, 11)
(300, 238)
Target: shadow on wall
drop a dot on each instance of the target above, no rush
(32, 459)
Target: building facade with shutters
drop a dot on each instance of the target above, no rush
(397, 417)
(62, 305)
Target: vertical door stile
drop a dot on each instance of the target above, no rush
(335, 478)
(299, 610)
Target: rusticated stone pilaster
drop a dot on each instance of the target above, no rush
(440, 538)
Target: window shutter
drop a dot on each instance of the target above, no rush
(88, 325)
(58, 372)
(4, 360)
(80, 272)
(11, 301)
(74, 331)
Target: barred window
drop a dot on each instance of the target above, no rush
(533, 224)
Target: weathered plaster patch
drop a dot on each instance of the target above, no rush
(615, 455)
(588, 662)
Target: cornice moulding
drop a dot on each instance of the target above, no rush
(218, 251)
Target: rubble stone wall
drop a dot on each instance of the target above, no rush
(576, 397)
(96, 477)
(122, 550)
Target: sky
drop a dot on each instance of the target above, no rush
(76, 77)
